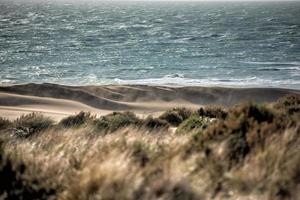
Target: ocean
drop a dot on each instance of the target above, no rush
(237, 44)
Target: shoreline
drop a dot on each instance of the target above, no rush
(168, 85)
(58, 101)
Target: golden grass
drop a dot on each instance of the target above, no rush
(251, 154)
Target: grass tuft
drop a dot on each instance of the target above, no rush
(26, 125)
(77, 120)
(5, 123)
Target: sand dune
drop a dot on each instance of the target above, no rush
(59, 101)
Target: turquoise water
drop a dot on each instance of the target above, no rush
(207, 44)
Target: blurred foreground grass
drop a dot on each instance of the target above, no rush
(248, 151)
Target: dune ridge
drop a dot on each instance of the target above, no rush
(61, 100)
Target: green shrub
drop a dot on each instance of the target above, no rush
(4, 123)
(176, 116)
(155, 123)
(77, 120)
(193, 123)
(31, 123)
(212, 112)
(115, 121)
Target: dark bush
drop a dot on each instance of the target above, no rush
(212, 112)
(115, 121)
(77, 120)
(249, 111)
(155, 123)
(289, 103)
(26, 125)
(5, 123)
(176, 116)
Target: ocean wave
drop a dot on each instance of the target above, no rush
(272, 63)
(135, 69)
(297, 68)
(246, 82)
(176, 75)
(7, 81)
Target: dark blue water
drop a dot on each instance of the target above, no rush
(221, 44)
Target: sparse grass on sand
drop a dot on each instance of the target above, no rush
(248, 151)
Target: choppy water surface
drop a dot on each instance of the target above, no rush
(220, 44)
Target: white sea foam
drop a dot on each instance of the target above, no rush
(272, 63)
(213, 82)
(7, 81)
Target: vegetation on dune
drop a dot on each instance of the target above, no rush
(26, 125)
(155, 123)
(193, 123)
(115, 121)
(5, 123)
(77, 120)
(176, 116)
(212, 112)
(290, 104)
(249, 151)
(257, 138)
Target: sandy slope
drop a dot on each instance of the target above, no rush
(59, 101)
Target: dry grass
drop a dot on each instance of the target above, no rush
(252, 153)
(5, 123)
(75, 121)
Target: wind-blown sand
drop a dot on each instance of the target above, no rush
(59, 101)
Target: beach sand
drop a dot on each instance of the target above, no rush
(58, 101)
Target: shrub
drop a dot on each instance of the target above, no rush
(193, 123)
(77, 120)
(155, 123)
(212, 112)
(249, 111)
(115, 121)
(246, 124)
(289, 103)
(4, 123)
(176, 116)
(31, 123)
